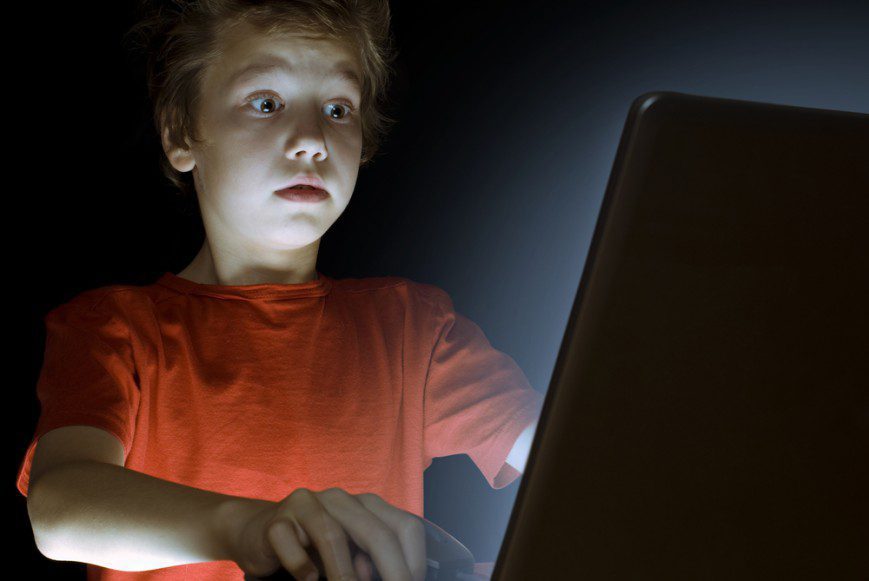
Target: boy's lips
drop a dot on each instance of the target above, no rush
(297, 194)
(305, 180)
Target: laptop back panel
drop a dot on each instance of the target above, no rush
(708, 416)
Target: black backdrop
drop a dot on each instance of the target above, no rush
(509, 115)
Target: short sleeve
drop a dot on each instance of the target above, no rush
(88, 374)
(477, 399)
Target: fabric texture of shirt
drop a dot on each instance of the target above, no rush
(257, 390)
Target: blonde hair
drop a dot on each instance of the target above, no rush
(180, 38)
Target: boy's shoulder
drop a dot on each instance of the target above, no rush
(112, 301)
(410, 289)
(98, 297)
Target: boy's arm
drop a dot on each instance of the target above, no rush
(518, 456)
(114, 517)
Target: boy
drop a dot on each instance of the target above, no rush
(249, 409)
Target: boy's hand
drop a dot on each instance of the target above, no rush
(309, 531)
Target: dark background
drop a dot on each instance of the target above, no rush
(489, 185)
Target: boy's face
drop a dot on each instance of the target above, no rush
(272, 107)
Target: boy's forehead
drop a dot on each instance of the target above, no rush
(244, 47)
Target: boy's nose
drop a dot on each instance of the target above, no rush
(301, 147)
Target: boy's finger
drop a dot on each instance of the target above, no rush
(331, 542)
(291, 554)
(363, 567)
(409, 528)
(374, 536)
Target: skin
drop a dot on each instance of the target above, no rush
(247, 152)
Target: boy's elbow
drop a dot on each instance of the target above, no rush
(36, 524)
(41, 523)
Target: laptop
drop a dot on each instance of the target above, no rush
(708, 415)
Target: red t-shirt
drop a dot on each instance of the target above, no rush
(257, 390)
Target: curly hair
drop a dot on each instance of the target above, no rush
(180, 38)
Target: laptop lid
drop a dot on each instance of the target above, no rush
(708, 416)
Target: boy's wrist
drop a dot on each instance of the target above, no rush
(228, 520)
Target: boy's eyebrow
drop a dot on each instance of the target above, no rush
(342, 70)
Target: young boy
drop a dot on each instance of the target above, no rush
(237, 415)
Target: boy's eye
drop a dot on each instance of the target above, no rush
(266, 104)
(335, 112)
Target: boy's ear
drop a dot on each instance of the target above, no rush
(181, 158)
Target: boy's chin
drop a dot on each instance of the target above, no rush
(290, 240)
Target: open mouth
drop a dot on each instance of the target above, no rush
(302, 194)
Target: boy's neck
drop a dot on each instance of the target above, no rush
(202, 270)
